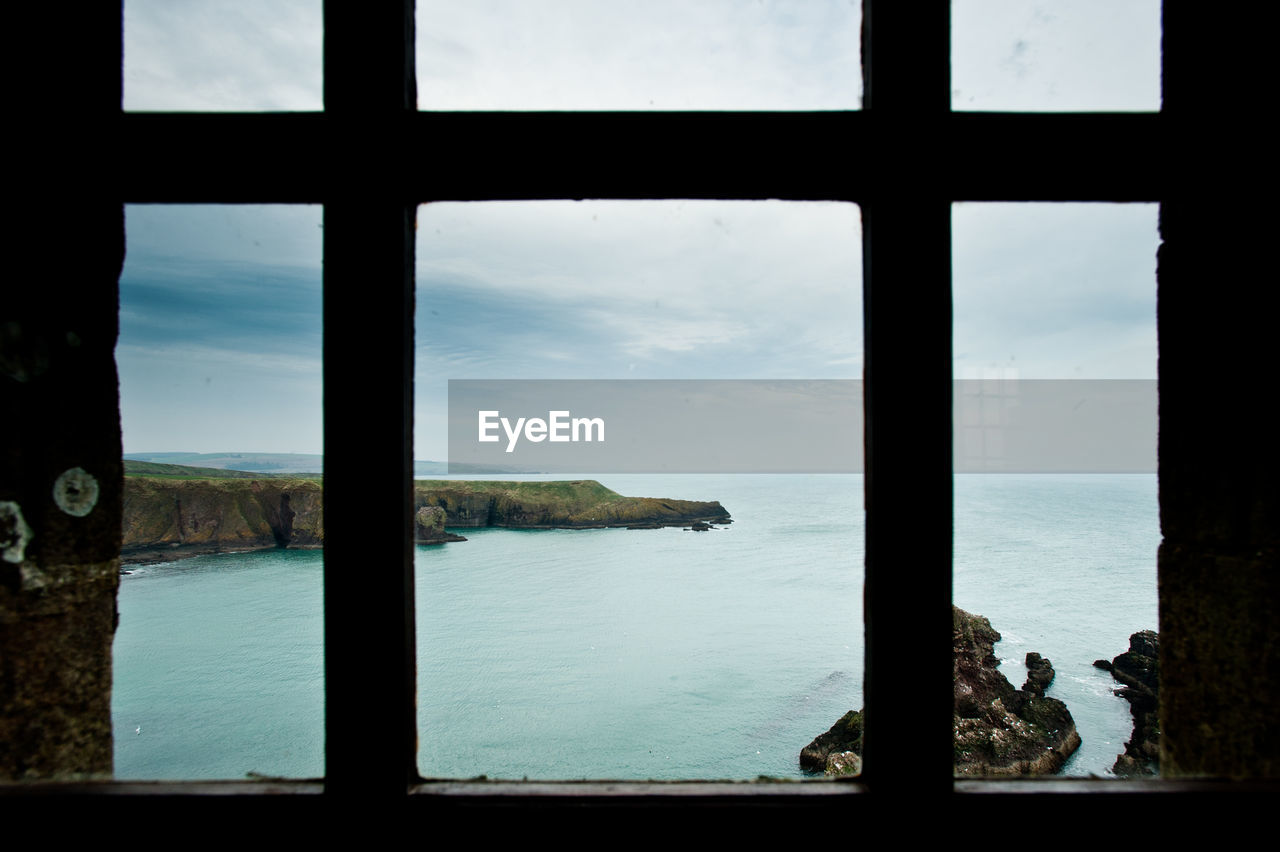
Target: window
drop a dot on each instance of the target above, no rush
(660, 654)
(1055, 364)
(219, 353)
(905, 195)
(1083, 56)
(661, 55)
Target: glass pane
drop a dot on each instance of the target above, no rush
(604, 652)
(1082, 56)
(668, 55)
(218, 657)
(1056, 511)
(223, 55)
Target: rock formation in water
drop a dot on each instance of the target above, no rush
(839, 750)
(999, 730)
(428, 527)
(1139, 670)
(169, 518)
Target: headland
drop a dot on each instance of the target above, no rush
(173, 511)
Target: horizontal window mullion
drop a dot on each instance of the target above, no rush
(808, 156)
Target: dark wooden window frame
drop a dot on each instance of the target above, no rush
(371, 158)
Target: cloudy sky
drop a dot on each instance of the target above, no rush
(220, 305)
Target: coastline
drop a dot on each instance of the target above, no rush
(156, 554)
(167, 519)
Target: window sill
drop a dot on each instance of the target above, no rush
(617, 791)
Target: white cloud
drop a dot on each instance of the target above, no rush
(1055, 290)
(1081, 55)
(660, 54)
(645, 279)
(223, 55)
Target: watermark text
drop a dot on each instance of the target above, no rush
(559, 426)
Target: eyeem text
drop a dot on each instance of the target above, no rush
(558, 426)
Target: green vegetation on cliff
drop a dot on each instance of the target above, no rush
(170, 517)
(560, 504)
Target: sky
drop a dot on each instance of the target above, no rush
(220, 305)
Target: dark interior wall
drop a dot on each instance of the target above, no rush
(1219, 467)
(1219, 498)
(60, 470)
(60, 496)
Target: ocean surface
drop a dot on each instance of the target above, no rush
(634, 654)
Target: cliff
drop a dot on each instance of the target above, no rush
(999, 730)
(1139, 670)
(168, 518)
(576, 504)
(171, 518)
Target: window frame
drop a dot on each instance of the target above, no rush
(378, 161)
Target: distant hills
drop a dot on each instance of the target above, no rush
(290, 463)
(182, 471)
(285, 464)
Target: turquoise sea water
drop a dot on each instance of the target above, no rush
(219, 667)
(633, 654)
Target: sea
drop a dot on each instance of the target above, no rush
(634, 654)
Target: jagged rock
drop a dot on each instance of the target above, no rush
(1140, 665)
(1139, 670)
(829, 752)
(999, 730)
(1039, 674)
(844, 763)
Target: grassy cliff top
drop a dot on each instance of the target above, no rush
(567, 490)
(563, 503)
(577, 502)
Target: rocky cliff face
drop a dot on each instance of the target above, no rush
(165, 518)
(1139, 670)
(999, 730)
(574, 504)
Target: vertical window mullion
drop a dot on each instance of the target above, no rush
(908, 491)
(907, 310)
(370, 730)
